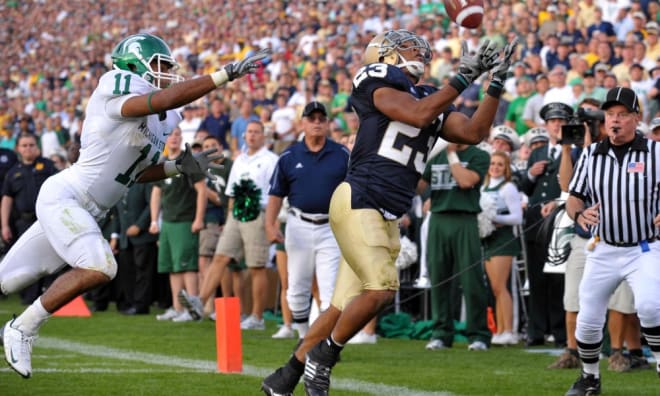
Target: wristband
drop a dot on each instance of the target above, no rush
(458, 82)
(219, 77)
(452, 158)
(494, 89)
(151, 109)
(170, 168)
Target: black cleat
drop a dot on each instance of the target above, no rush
(586, 385)
(318, 365)
(281, 383)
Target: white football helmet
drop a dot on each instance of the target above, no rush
(384, 48)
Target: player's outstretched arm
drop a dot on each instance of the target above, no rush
(472, 130)
(185, 92)
(401, 106)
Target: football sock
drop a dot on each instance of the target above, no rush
(32, 318)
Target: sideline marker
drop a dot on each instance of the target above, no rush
(75, 307)
(228, 334)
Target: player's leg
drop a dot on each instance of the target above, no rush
(28, 260)
(370, 245)
(74, 235)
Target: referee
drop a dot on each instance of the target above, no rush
(308, 173)
(621, 176)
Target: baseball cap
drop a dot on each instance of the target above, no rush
(314, 106)
(601, 67)
(588, 73)
(556, 110)
(639, 14)
(623, 96)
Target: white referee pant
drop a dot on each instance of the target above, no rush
(311, 249)
(605, 268)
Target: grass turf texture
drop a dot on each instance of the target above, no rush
(112, 354)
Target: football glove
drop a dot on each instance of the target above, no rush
(470, 67)
(247, 65)
(500, 70)
(198, 164)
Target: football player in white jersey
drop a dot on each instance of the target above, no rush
(128, 118)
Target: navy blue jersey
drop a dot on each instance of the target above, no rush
(309, 178)
(389, 156)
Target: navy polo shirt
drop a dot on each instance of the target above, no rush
(309, 178)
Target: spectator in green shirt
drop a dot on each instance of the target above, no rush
(514, 114)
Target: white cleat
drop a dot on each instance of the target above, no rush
(18, 349)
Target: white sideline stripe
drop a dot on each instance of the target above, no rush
(99, 370)
(210, 366)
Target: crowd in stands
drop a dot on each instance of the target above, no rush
(569, 51)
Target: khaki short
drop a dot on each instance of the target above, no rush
(208, 239)
(622, 299)
(369, 246)
(248, 240)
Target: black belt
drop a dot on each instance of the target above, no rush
(313, 221)
(309, 219)
(631, 244)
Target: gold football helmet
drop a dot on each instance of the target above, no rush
(384, 48)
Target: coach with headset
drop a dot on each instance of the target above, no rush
(620, 177)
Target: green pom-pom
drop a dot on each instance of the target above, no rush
(247, 201)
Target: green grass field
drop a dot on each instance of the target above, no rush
(111, 354)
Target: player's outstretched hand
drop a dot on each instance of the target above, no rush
(248, 65)
(191, 164)
(470, 67)
(499, 72)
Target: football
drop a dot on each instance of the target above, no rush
(467, 13)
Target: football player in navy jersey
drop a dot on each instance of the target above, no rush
(399, 124)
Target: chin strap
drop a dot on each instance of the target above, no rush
(415, 68)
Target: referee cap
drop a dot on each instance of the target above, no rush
(623, 96)
(314, 106)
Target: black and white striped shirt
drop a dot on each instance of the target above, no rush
(628, 192)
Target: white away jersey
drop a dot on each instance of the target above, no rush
(115, 150)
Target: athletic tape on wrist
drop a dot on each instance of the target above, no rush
(219, 77)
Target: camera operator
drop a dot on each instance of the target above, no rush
(622, 318)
